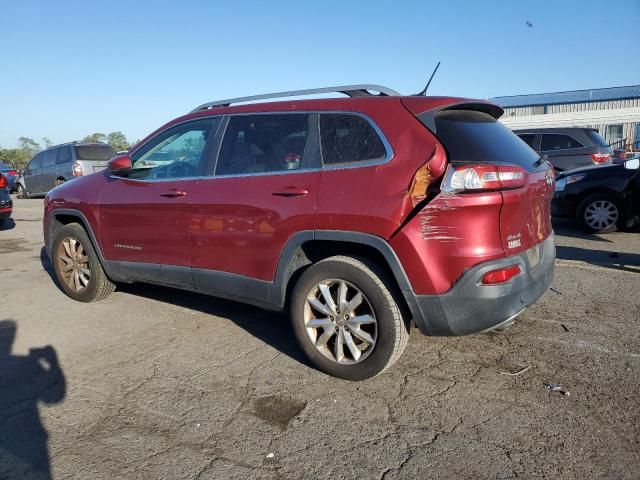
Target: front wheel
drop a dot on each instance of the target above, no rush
(22, 192)
(77, 266)
(346, 318)
(600, 213)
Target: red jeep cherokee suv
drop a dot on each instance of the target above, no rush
(357, 214)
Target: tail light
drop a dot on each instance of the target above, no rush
(501, 275)
(13, 173)
(484, 177)
(3, 181)
(77, 170)
(600, 158)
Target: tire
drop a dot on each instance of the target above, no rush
(600, 213)
(83, 288)
(22, 192)
(389, 331)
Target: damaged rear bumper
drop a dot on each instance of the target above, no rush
(470, 307)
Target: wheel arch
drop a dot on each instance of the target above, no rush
(64, 216)
(308, 247)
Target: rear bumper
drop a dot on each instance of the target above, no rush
(470, 307)
(6, 205)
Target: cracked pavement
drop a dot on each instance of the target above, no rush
(169, 384)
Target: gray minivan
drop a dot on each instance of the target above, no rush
(58, 164)
(568, 148)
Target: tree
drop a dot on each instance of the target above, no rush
(29, 145)
(118, 141)
(47, 142)
(16, 157)
(95, 137)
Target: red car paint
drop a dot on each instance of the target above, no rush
(240, 225)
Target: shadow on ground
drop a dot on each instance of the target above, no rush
(25, 382)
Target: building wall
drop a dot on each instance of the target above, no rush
(596, 115)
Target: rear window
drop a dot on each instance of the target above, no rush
(471, 136)
(94, 152)
(597, 138)
(528, 138)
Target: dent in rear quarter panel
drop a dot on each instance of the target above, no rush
(448, 236)
(372, 199)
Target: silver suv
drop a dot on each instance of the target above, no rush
(568, 148)
(58, 164)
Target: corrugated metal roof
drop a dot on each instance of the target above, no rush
(575, 96)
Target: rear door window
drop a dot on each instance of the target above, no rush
(64, 155)
(96, 153)
(554, 141)
(348, 138)
(471, 136)
(263, 143)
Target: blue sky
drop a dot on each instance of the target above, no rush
(71, 68)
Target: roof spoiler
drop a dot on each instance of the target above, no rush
(428, 115)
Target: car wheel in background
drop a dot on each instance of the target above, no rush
(77, 266)
(346, 318)
(600, 213)
(22, 192)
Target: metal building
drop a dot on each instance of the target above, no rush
(614, 112)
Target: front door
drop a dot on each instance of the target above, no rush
(145, 217)
(263, 190)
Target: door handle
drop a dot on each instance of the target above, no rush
(173, 193)
(291, 192)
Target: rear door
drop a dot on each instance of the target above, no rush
(261, 191)
(48, 170)
(564, 151)
(475, 137)
(63, 163)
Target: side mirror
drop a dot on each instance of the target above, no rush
(633, 164)
(119, 165)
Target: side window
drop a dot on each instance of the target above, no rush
(347, 138)
(263, 143)
(49, 157)
(64, 155)
(176, 153)
(528, 138)
(558, 142)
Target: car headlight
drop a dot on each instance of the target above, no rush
(563, 182)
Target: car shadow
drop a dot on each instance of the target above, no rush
(629, 262)
(567, 228)
(26, 381)
(7, 224)
(47, 266)
(273, 328)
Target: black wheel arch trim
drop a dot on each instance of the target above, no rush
(88, 228)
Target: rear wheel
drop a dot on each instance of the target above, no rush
(77, 266)
(600, 213)
(346, 318)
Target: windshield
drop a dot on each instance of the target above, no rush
(94, 152)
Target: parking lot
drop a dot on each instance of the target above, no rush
(157, 383)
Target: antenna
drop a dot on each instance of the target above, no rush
(424, 92)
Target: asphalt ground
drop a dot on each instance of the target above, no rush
(158, 383)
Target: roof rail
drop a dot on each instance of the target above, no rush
(349, 90)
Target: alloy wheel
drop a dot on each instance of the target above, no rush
(73, 264)
(601, 214)
(340, 321)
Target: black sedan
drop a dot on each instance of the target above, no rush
(601, 198)
(6, 204)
